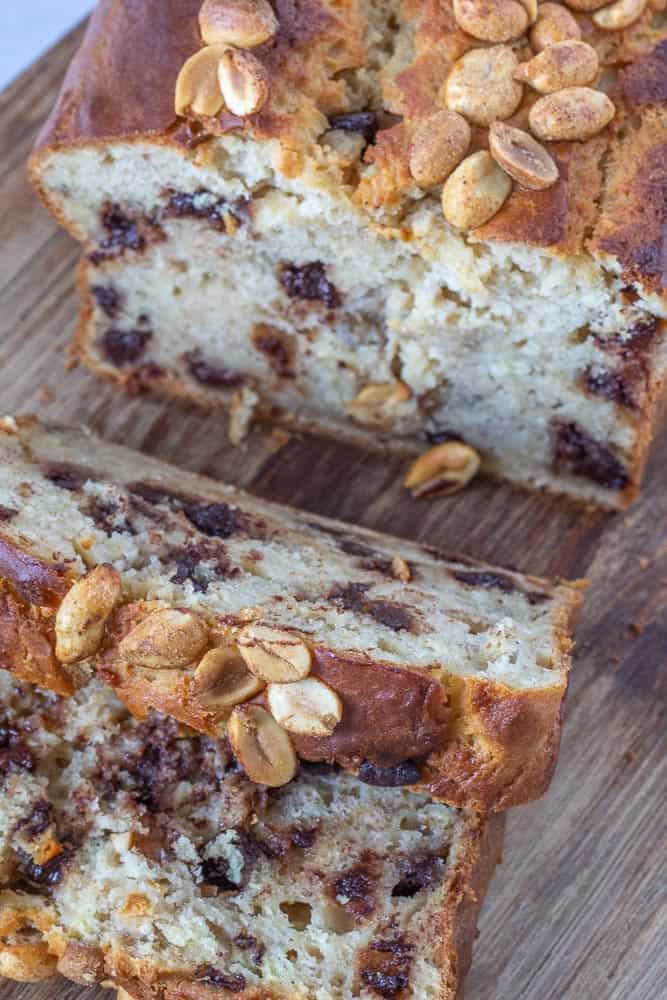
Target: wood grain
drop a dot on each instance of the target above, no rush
(579, 908)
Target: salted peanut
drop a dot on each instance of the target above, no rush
(377, 402)
(166, 639)
(400, 569)
(565, 64)
(442, 470)
(243, 81)
(473, 194)
(439, 144)
(492, 20)
(244, 23)
(84, 612)
(197, 86)
(619, 15)
(522, 157)
(306, 708)
(576, 113)
(222, 681)
(481, 85)
(273, 654)
(262, 747)
(585, 6)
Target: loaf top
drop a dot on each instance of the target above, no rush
(381, 67)
(132, 854)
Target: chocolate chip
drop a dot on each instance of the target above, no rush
(417, 875)
(352, 598)
(38, 821)
(277, 348)
(7, 513)
(198, 562)
(105, 515)
(406, 773)
(310, 283)
(203, 204)
(610, 385)
(304, 838)
(123, 233)
(123, 347)
(209, 374)
(483, 578)
(234, 983)
(107, 298)
(14, 753)
(577, 452)
(215, 871)
(385, 966)
(66, 476)
(50, 873)
(355, 891)
(218, 520)
(365, 122)
(383, 984)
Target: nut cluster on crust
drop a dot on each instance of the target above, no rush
(485, 88)
(225, 74)
(258, 658)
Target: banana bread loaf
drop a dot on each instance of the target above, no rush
(278, 246)
(135, 856)
(233, 614)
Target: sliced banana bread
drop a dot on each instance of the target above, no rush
(226, 611)
(279, 246)
(136, 856)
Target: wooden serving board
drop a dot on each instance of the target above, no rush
(578, 910)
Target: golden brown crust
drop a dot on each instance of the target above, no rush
(27, 644)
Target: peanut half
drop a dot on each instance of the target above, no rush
(576, 113)
(554, 24)
(481, 85)
(438, 145)
(306, 708)
(83, 613)
(197, 87)
(222, 681)
(243, 81)
(493, 20)
(243, 23)
(619, 15)
(168, 638)
(565, 64)
(262, 747)
(273, 654)
(474, 193)
(522, 157)
(379, 402)
(442, 470)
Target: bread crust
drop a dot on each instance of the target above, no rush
(483, 744)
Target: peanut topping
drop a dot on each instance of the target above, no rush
(442, 470)
(522, 157)
(307, 708)
(197, 86)
(222, 681)
(168, 638)
(84, 612)
(273, 654)
(474, 193)
(378, 402)
(554, 24)
(481, 85)
(585, 6)
(565, 64)
(264, 750)
(243, 81)
(531, 10)
(619, 15)
(439, 144)
(492, 20)
(244, 23)
(571, 114)
(400, 569)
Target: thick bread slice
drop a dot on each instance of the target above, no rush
(281, 264)
(458, 668)
(135, 857)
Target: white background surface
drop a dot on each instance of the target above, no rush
(29, 27)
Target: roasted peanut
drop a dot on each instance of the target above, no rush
(222, 680)
(585, 6)
(492, 20)
(400, 569)
(198, 86)
(619, 15)
(379, 402)
(576, 113)
(306, 708)
(243, 23)
(84, 612)
(438, 145)
(565, 64)
(522, 157)
(243, 81)
(481, 85)
(554, 24)
(273, 654)
(167, 638)
(264, 749)
(442, 470)
(473, 194)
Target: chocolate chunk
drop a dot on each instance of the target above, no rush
(215, 871)
(190, 560)
(104, 514)
(107, 298)
(417, 875)
(14, 753)
(123, 233)
(352, 598)
(66, 476)
(577, 452)
(234, 983)
(50, 873)
(365, 122)
(7, 513)
(203, 204)
(483, 578)
(310, 283)
(406, 773)
(218, 520)
(385, 966)
(383, 984)
(609, 385)
(355, 891)
(304, 838)
(209, 374)
(123, 347)
(38, 821)
(277, 347)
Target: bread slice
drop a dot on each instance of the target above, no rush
(288, 265)
(133, 856)
(445, 673)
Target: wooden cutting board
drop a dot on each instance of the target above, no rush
(578, 910)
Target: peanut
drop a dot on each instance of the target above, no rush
(83, 613)
(168, 638)
(306, 708)
(576, 113)
(243, 23)
(565, 64)
(222, 681)
(473, 194)
(197, 86)
(264, 749)
(522, 157)
(492, 20)
(442, 470)
(438, 145)
(481, 85)
(273, 654)
(243, 81)
(619, 15)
